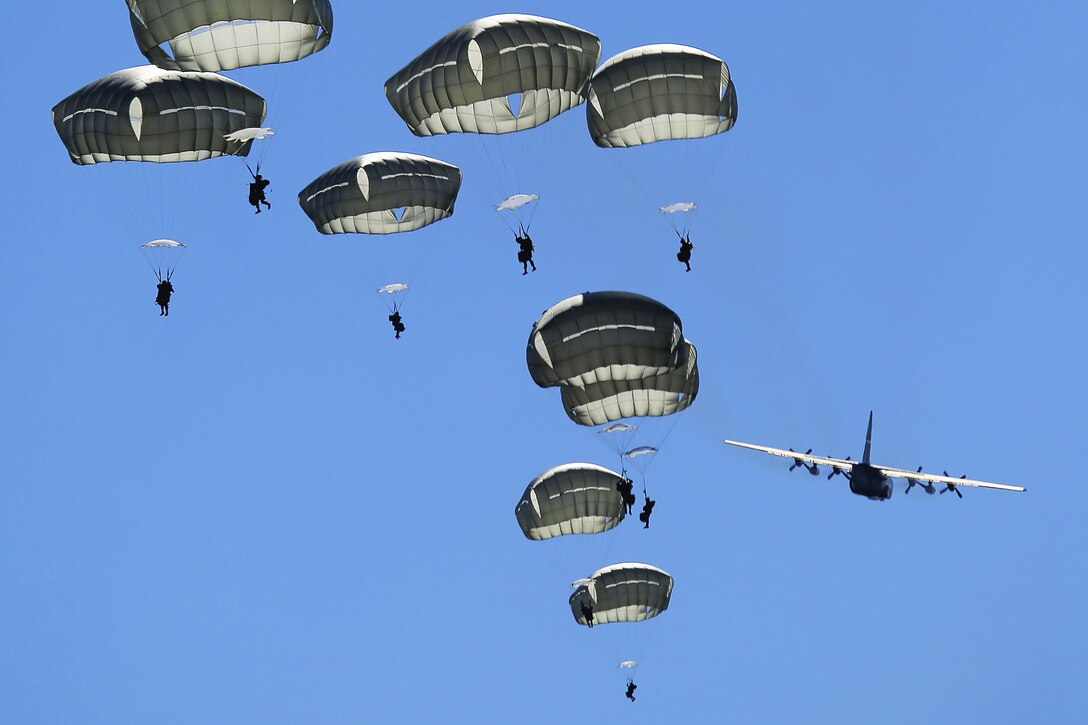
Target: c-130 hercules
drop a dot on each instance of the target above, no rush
(871, 480)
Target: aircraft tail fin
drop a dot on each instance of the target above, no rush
(868, 440)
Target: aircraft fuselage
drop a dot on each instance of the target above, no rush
(870, 482)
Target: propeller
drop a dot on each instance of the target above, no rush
(797, 461)
(952, 487)
(835, 470)
(911, 483)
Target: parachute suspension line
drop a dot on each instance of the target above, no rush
(137, 208)
(497, 177)
(154, 195)
(641, 186)
(546, 164)
(271, 101)
(626, 641)
(509, 224)
(709, 168)
(541, 169)
(391, 307)
(157, 271)
(491, 162)
(162, 210)
(669, 428)
(421, 258)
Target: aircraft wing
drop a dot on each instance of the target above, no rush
(798, 456)
(935, 478)
(886, 470)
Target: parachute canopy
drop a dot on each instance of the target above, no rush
(392, 289)
(658, 93)
(250, 134)
(604, 336)
(213, 35)
(516, 201)
(628, 592)
(680, 206)
(465, 82)
(162, 244)
(163, 256)
(574, 498)
(613, 355)
(150, 114)
(381, 193)
(653, 395)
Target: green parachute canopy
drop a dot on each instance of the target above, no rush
(627, 592)
(495, 75)
(150, 114)
(613, 355)
(660, 93)
(574, 498)
(214, 35)
(651, 396)
(381, 193)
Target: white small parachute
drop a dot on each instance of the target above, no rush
(627, 665)
(680, 206)
(249, 134)
(163, 256)
(392, 289)
(640, 458)
(618, 436)
(516, 201)
(162, 243)
(640, 451)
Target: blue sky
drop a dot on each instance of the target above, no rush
(265, 509)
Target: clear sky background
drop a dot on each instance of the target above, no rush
(266, 509)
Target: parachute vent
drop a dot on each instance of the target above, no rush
(475, 61)
(136, 116)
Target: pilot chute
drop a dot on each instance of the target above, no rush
(213, 35)
(163, 256)
(249, 134)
